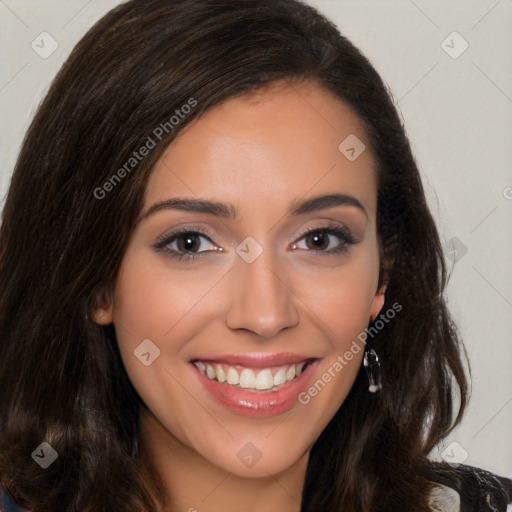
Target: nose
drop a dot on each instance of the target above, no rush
(262, 300)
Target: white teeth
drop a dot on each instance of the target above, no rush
(210, 372)
(221, 376)
(247, 378)
(279, 378)
(265, 380)
(232, 376)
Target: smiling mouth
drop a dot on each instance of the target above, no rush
(271, 378)
(255, 385)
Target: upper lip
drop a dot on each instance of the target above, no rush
(256, 360)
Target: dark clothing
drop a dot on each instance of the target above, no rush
(478, 490)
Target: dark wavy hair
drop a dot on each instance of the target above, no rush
(61, 376)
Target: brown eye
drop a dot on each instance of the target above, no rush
(185, 244)
(318, 240)
(189, 242)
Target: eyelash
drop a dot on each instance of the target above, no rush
(163, 241)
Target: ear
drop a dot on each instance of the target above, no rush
(103, 313)
(378, 301)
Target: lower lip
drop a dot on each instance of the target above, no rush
(258, 404)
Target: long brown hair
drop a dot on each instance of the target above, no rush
(62, 380)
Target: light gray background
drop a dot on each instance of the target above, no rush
(458, 114)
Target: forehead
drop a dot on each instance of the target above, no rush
(279, 144)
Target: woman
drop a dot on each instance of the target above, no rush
(222, 288)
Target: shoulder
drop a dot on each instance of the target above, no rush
(468, 489)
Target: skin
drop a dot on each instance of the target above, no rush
(259, 152)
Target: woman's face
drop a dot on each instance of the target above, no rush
(253, 294)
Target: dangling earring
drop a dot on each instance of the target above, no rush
(372, 367)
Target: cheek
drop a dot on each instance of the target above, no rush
(168, 307)
(341, 304)
(147, 305)
(153, 303)
(341, 297)
(151, 300)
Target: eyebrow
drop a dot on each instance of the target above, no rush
(228, 210)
